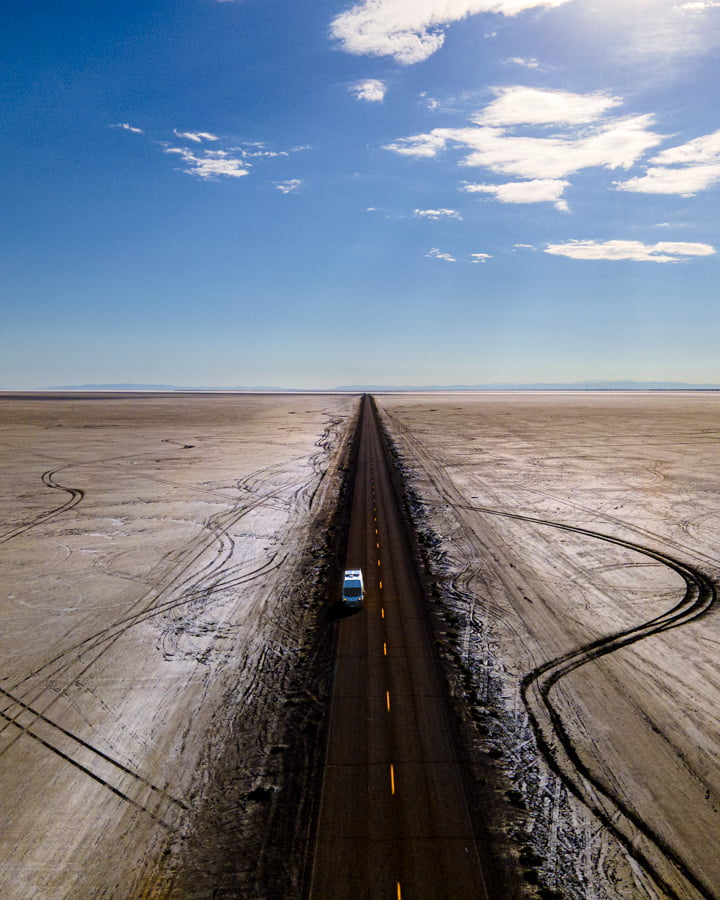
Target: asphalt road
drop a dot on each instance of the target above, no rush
(393, 819)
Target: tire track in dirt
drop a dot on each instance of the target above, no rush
(77, 495)
(149, 602)
(217, 528)
(163, 797)
(194, 587)
(48, 479)
(18, 710)
(551, 734)
(188, 585)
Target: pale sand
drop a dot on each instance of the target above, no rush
(145, 580)
(644, 721)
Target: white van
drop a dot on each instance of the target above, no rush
(353, 591)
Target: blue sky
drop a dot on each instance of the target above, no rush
(269, 192)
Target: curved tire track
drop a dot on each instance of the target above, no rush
(643, 843)
(547, 723)
(186, 585)
(48, 479)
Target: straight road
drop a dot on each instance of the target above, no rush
(393, 819)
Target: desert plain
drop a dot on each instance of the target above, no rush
(157, 592)
(153, 609)
(578, 535)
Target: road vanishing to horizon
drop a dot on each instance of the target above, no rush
(394, 819)
(190, 711)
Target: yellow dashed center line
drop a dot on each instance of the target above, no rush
(378, 562)
(377, 545)
(387, 700)
(382, 613)
(381, 585)
(384, 649)
(392, 778)
(399, 892)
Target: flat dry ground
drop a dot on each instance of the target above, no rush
(147, 546)
(635, 732)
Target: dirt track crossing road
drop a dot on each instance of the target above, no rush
(394, 819)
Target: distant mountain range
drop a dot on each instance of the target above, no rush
(375, 388)
(545, 386)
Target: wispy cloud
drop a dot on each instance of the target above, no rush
(257, 151)
(435, 253)
(685, 169)
(436, 214)
(504, 140)
(127, 127)
(662, 252)
(430, 102)
(520, 61)
(480, 257)
(222, 161)
(697, 6)
(196, 136)
(289, 185)
(371, 89)
(212, 164)
(412, 31)
(540, 190)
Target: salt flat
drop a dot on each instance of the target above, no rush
(148, 550)
(634, 730)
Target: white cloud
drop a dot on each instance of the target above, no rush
(480, 257)
(127, 127)
(700, 150)
(520, 105)
(436, 214)
(438, 254)
(612, 143)
(372, 89)
(685, 169)
(519, 61)
(524, 247)
(421, 144)
(260, 154)
(213, 164)
(663, 252)
(412, 30)
(228, 162)
(288, 186)
(430, 102)
(197, 136)
(504, 140)
(697, 6)
(686, 181)
(540, 190)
